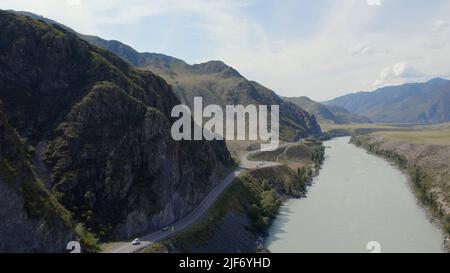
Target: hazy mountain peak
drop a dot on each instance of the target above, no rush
(438, 80)
(427, 102)
(304, 98)
(327, 113)
(216, 66)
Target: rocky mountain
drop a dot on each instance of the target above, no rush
(100, 134)
(427, 102)
(214, 81)
(217, 83)
(330, 114)
(32, 220)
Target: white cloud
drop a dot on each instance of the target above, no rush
(373, 2)
(88, 14)
(342, 52)
(399, 73)
(73, 2)
(405, 70)
(439, 26)
(361, 49)
(121, 12)
(365, 49)
(318, 67)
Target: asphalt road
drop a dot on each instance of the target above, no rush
(197, 213)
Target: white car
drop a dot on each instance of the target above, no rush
(165, 229)
(136, 242)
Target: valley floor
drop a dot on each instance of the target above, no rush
(238, 221)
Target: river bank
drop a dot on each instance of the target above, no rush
(240, 219)
(427, 165)
(357, 198)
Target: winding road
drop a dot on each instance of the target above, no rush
(197, 213)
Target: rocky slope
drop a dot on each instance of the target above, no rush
(217, 83)
(327, 114)
(427, 102)
(32, 220)
(101, 131)
(214, 81)
(240, 219)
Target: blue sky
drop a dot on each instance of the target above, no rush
(317, 48)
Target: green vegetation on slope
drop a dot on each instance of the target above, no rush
(97, 126)
(217, 83)
(40, 206)
(256, 195)
(249, 205)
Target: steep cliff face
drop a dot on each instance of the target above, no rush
(116, 158)
(101, 131)
(31, 218)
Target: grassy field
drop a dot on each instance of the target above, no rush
(385, 126)
(330, 127)
(435, 134)
(441, 126)
(432, 137)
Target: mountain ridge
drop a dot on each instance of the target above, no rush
(426, 102)
(327, 114)
(96, 125)
(216, 82)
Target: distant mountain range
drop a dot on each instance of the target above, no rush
(427, 102)
(327, 114)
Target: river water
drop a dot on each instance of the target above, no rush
(356, 199)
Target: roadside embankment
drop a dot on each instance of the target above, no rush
(239, 220)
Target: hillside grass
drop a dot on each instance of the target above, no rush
(327, 127)
(433, 137)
